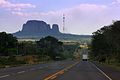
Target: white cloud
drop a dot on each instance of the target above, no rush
(76, 17)
(84, 18)
(116, 2)
(15, 6)
(83, 8)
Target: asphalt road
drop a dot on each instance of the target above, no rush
(60, 70)
(33, 72)
(84, 70)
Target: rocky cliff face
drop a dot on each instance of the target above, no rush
(37, 28)
(55, 28)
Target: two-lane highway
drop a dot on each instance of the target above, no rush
(60, 70)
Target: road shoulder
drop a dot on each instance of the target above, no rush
(113, 73)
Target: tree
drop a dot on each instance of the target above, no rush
(50, 46)
(27, 48)
(8, 44)
(106, 43)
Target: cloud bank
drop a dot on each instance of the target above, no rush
(80, 19)
(15, 6)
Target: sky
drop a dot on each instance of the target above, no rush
(81, 16)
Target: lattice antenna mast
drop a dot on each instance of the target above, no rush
(63, 23)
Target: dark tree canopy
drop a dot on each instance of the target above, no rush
(50, 46)
(106, 43)
(8, 44)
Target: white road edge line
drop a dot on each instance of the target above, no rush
(20, 72)
(101, 71)
(4, 76)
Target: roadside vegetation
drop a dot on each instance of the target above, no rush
(13, 53)
(69, 49)
(105, 46)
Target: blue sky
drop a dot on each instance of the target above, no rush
(82, 16)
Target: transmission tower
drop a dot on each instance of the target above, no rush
(63, 23)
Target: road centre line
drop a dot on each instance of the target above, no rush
(53, 76)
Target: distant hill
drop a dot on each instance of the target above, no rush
(38, 29)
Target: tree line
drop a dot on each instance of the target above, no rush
(106, 44)
(46, 48)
